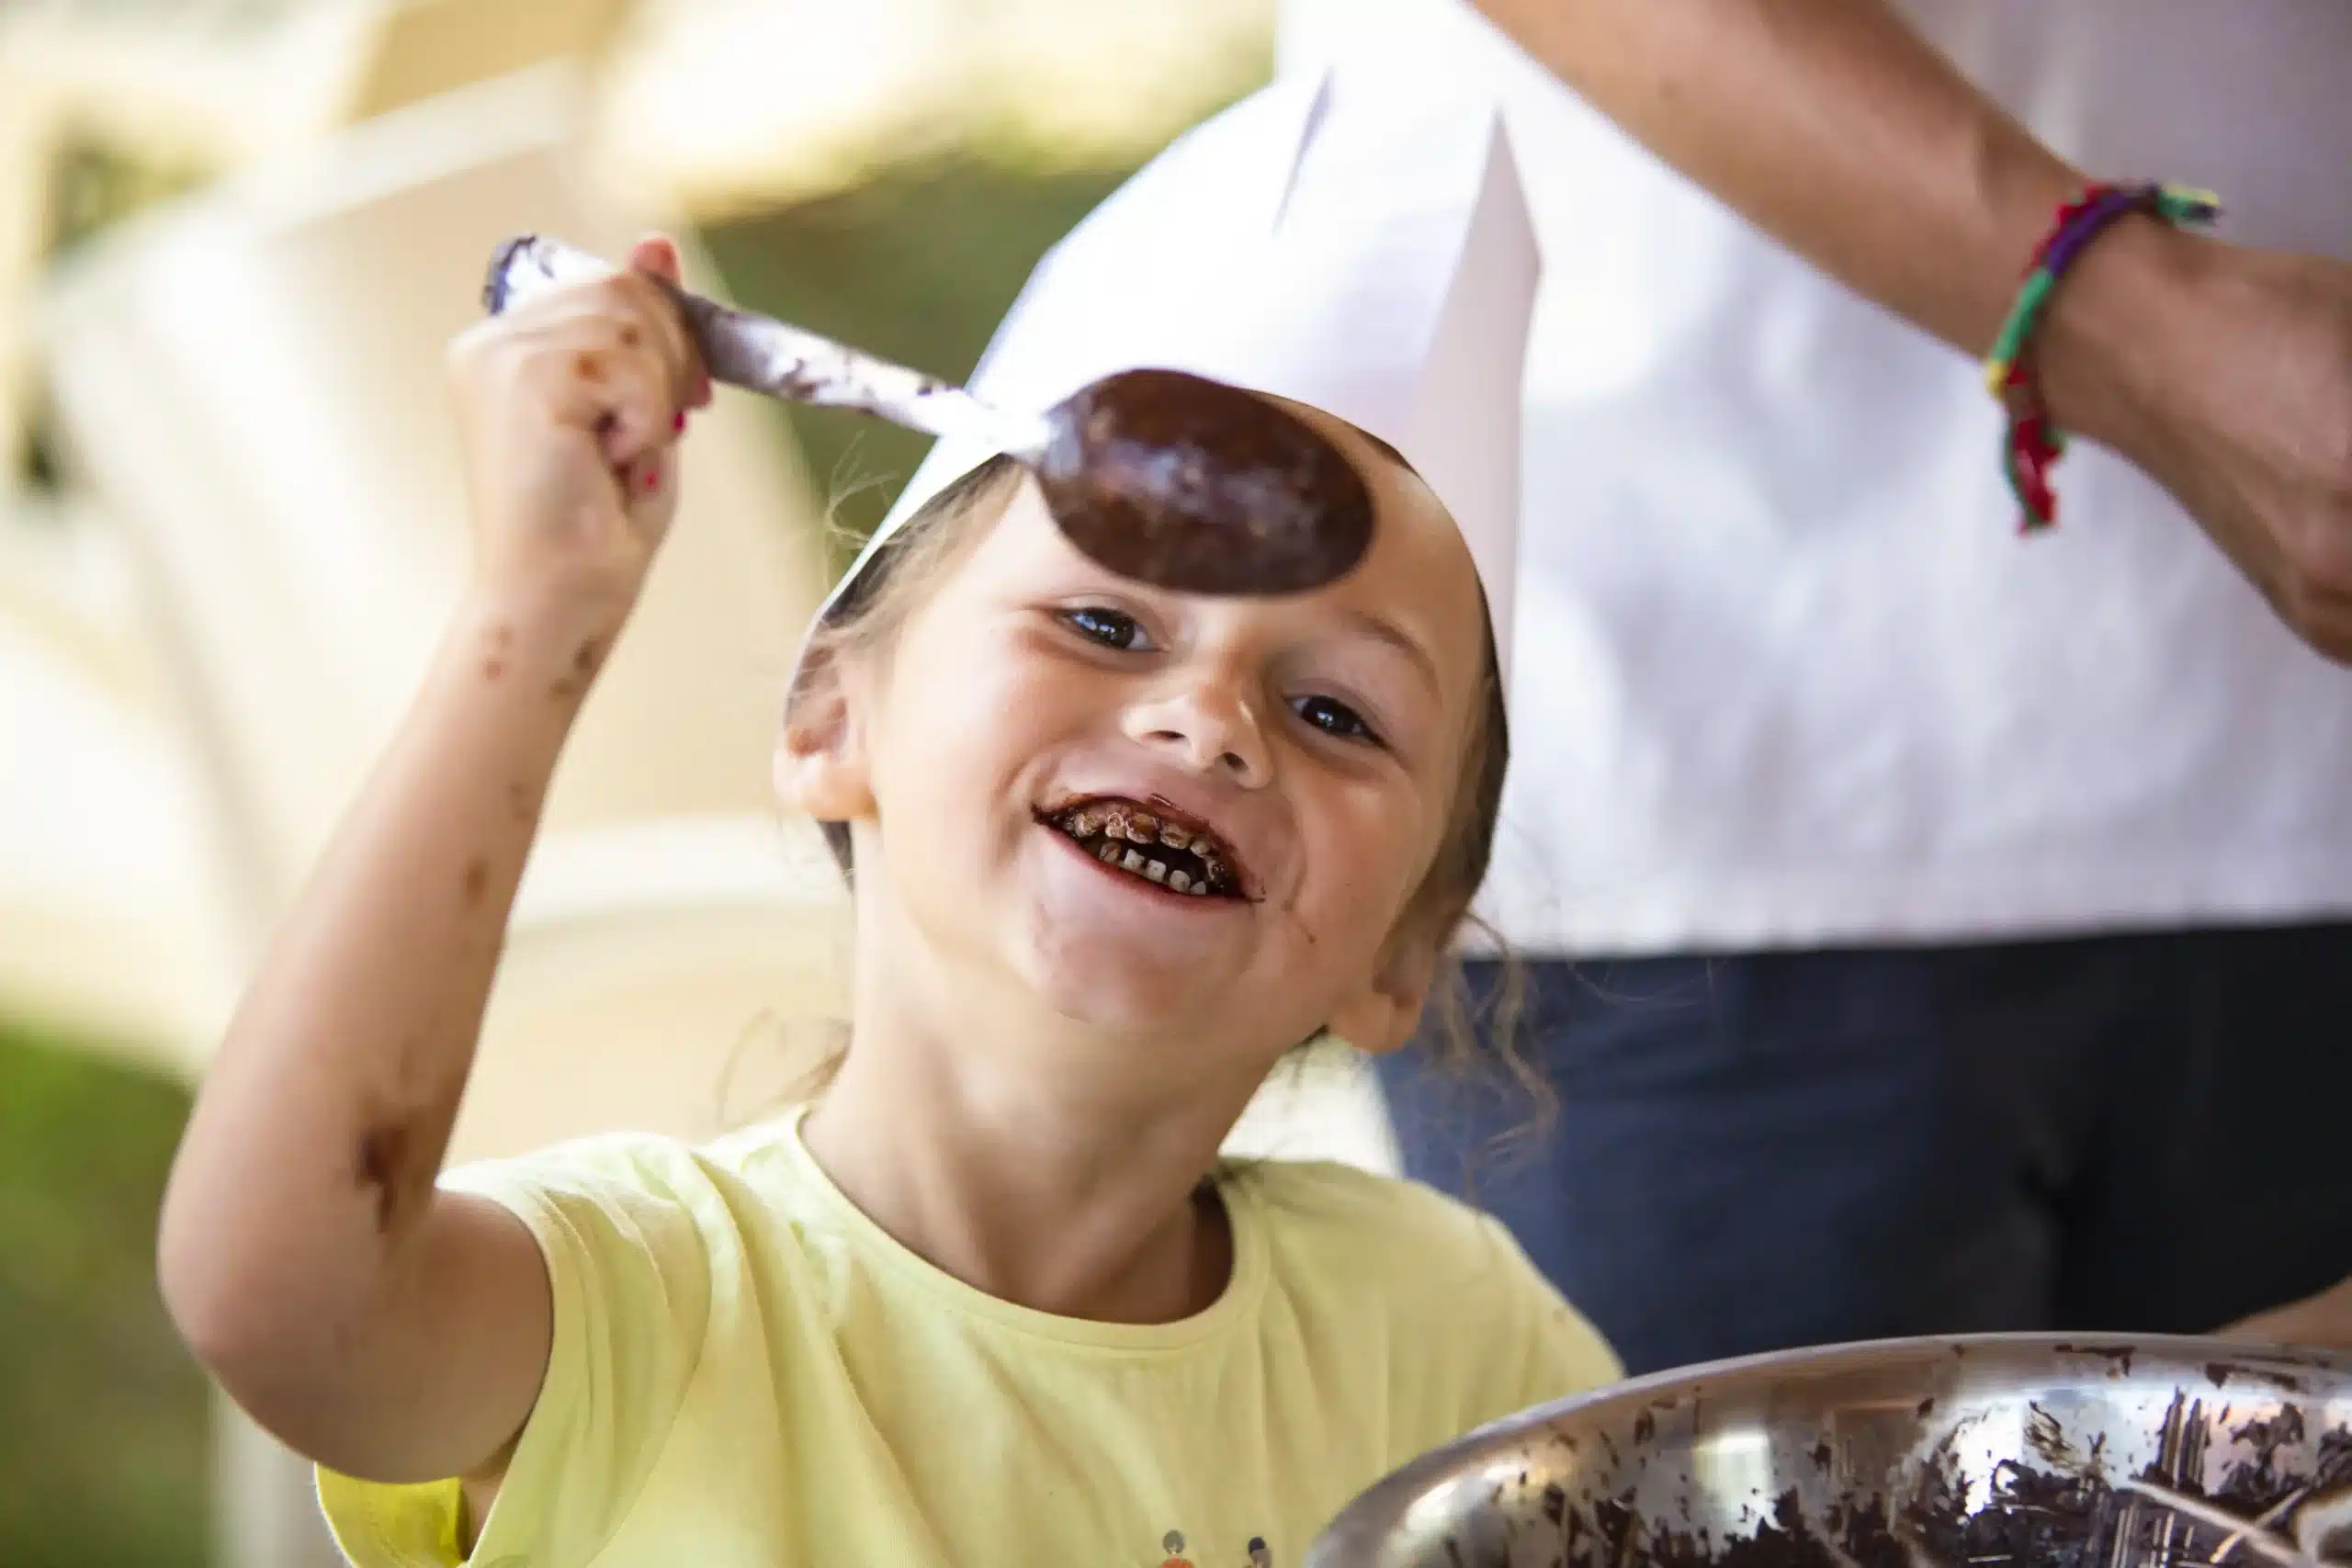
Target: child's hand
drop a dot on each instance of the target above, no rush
(569, 406)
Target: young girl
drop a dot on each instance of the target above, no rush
(994, 1298)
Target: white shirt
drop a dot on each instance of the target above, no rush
(1785, 672)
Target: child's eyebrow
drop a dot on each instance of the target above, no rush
(1399, 638)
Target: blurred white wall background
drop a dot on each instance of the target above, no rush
(744, 104)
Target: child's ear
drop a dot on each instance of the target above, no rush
(820, 763)
(1385, 1016)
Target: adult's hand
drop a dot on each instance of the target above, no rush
(2226, 374)
(2228, 377)
(2322, 1322)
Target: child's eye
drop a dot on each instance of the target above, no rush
(1111, 629)
(1334, 718)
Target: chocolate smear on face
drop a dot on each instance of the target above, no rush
(1189, 484)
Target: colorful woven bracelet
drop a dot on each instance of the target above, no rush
(2032, 444)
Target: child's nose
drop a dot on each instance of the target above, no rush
(1209, 727)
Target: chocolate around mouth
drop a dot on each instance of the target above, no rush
(1155, 845)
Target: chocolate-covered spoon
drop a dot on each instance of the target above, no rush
(1160, 475)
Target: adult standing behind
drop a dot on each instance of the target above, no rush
(1958, 922)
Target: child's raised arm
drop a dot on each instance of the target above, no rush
(381, 1326)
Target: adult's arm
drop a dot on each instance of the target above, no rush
(2224, 372)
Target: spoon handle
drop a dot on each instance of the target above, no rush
(2263, 1542)
(762, 354)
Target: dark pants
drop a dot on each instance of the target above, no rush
(2145, 1134)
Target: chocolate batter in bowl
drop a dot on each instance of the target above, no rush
(1998, 1451)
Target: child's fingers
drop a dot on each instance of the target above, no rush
(647, 475)
(650, 326)
(608, 358)
(637, 424)
(592, 377)
(658, 254)
(648, 489)
(629, 305)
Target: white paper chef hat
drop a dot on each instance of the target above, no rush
(1345, 238)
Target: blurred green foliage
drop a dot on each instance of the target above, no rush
(916, 266)
(103, 1417)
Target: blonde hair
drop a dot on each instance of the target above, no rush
(932, 542)
(877, 604)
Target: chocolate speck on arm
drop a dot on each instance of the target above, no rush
(477, 879)
(495, 643)
(518, 802)
(586, 660)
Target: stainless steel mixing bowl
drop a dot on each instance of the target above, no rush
(1956, 1453)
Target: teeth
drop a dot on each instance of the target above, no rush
(1116, 826)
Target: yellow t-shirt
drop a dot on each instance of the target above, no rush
(747, 1372)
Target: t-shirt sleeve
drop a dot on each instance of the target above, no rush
(627, 1228)
(1545, 1350)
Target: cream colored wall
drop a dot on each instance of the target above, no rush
(252, 386)
(108, 932)
(192, 90)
